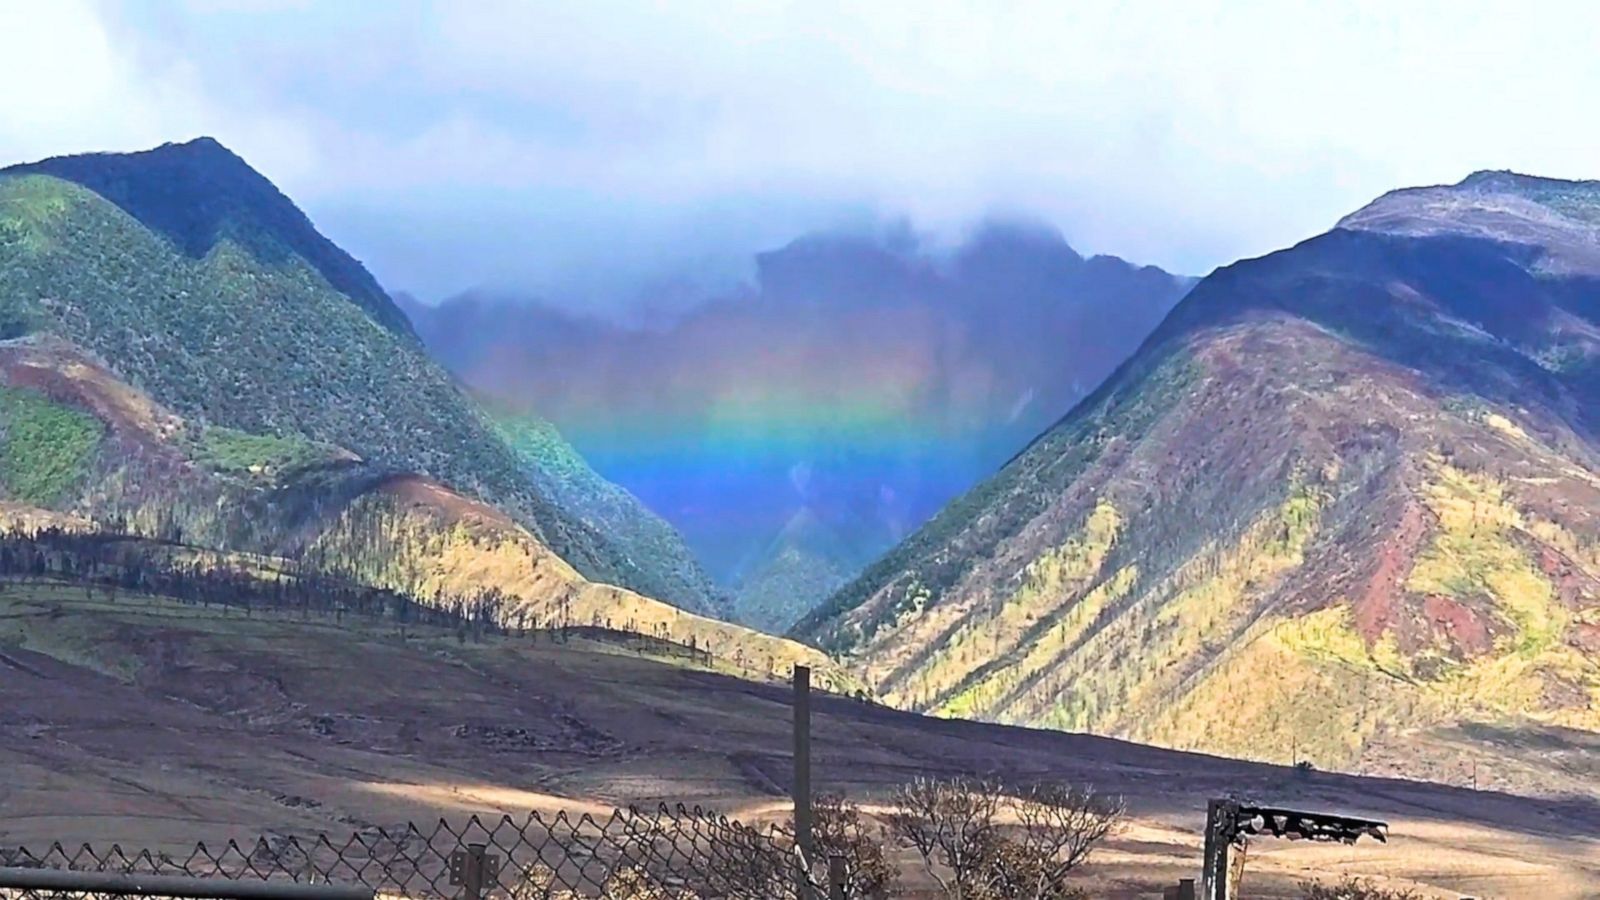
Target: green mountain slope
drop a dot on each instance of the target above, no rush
(565, 477)
(140, 498)
(808, 558)
(199, 195)
(196, 281)
(1344, 505)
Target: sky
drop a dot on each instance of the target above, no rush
(608, 153)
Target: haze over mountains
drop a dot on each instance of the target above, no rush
(797, 429)
(1343, 505)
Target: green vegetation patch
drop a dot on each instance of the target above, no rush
(1580, 200)
(1474, 553)
(46, 448)
(238, 452)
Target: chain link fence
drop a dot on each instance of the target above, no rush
(666, 854)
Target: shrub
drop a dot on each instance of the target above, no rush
(1350, 888)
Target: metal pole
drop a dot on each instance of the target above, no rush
(472, 876)
(58, 880)
(802, 758)
(474, 869)
(1221, 822)
(836, 877)
(800, 785)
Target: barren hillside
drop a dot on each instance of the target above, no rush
(148, 722)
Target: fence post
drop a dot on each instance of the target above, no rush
(836, 877)
(474, 869)
(800, 785)
(473, 883)
(1221, 818)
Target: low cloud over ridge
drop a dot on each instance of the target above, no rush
(591, 152)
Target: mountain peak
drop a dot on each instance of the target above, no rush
(202, 145)
(1557, 218)
(203, 142)
(1009, 249)
(1019, 231)
(1508, 181)
(838, 268)
(204, 151)
(198, 194)
(192, 171)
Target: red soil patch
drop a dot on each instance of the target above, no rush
(453, 507)
(1458, 624)
(1375, 608)
(62, 373)
(1573, 585)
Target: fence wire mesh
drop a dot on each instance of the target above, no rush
(665, 854)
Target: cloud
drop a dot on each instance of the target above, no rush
(65, 83)
(76, 83)
(565, 146)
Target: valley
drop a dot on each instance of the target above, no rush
(795, 429)
(1330, 536)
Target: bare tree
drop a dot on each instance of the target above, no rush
(979, 841)
(951, 824)
(1058, 826)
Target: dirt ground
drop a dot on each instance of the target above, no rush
(150, 724)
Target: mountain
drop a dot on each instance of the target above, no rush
(859, 383)
(807, 559)
(1343, 505)
(107, 489)
(193, 279)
